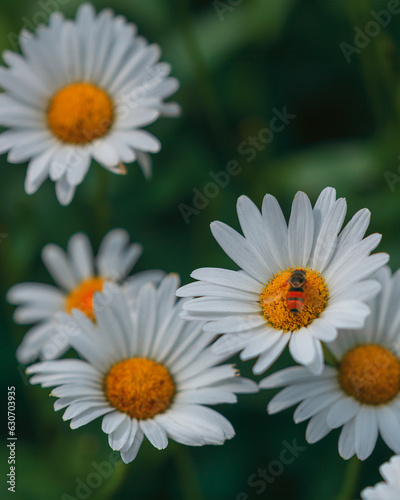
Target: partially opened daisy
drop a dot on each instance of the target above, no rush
(82, 90)
(78, 275)
(390, 489)
(362, 393)
(149, 373)
(299, 283)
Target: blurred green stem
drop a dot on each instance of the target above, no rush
(206, 89)
(102, 204)
(329, 357)
(187, 473)
(350, 481)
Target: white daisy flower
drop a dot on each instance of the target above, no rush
(148, 371)
(82, 90)
(78, 276)
(390, 489)
(299, 283)
(362, 393)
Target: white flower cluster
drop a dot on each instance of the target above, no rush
(151, 365)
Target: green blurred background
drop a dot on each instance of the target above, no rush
(238, 62)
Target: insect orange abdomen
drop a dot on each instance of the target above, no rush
(295, 299)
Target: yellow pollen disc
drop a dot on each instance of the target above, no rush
(371, 374)
(80, 113)
(273, 300)
(139, 387)
(82, 297)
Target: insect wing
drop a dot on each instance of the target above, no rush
(279, 294)
(312, 296)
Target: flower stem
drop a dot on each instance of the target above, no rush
(102, 204)
(350, 481)
(189, 480)
(329, 357)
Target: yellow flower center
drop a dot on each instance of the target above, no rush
(139, 387)
(371, 374)
(80, 113)
(287, 305)
(82, 297)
